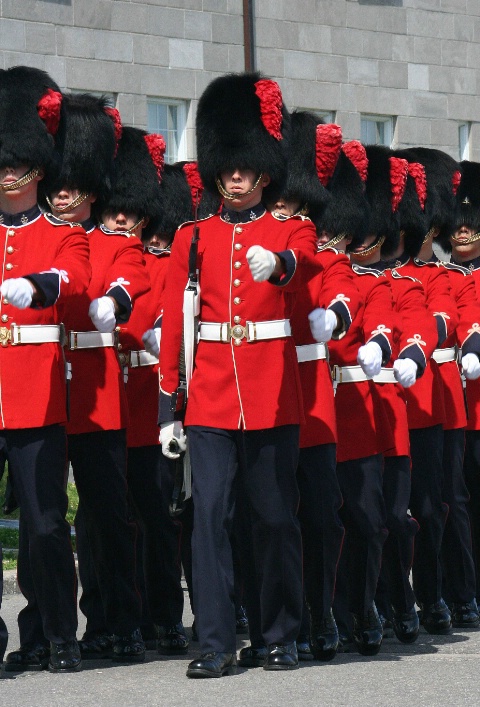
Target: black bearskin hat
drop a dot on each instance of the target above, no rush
(138, 170)
(384, 189)
(467, 212)
(303, 181)
(182, 192)
(242, 123)
(86, 144)
(347, 210)
(30, 105)
(443, 174)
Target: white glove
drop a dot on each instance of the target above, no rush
(151, 339)
(261, 262)
(405, 371)
(18, 291)
(370, 358)
(471, 366)
(102, 314)
(173, 439)
(322, 323)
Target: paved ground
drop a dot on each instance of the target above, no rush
(436, 671)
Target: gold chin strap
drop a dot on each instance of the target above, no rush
(368, 251)
(283, 217)
(227, 195)
(28, 177)
(470, 239)
(68, 207)
(134, 227)
(429, 234)
(332, 242)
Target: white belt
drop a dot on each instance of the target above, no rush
(32, 334)
(445, 355)
(142, 358)
(90, 340)
(312, 352)
(252, 331)
(355, 374)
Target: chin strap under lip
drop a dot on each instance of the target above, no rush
(26, 179)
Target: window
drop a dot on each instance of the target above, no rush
(464, 140)
(168, 117)
(376, 130)
(328, 116)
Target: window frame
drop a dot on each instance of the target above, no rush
(386, 120)
(181, 129)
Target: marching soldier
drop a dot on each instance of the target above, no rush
(45, 264)
(245, 404)
(98, 404)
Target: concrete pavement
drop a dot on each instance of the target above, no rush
(436, 671)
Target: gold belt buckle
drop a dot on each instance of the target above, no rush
(5, 335)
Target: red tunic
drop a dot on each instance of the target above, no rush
(97, 392)
(472, 388)
(363, 425)
(425, 400)
(142, 385)
(254, 385)
(32, 376)
(332, 288)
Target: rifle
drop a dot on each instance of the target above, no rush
(182, 488)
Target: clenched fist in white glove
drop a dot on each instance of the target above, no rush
(102, 314)
(471, 366)
(173, 439)
(322, 323)
(151, 339)
(405, 371)
(261, 262)
(370, 358)
(18, 291)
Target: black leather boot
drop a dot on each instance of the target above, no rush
(367, 632)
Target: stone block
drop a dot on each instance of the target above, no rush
(55, 66)
(129, 17)
(215, 56)
(429, 105)
(473, 8)
(125, 104)
(75, 42)
(12, 35)
(166, 22)
(215, 6)
(315, 96)
(314, 38)
(361, 16)
(346, 41)
(169, 83)
(393, 74)
(303, 11)
(198, 25)
(418, 77)
(393, 20)
(332, 68)
(16, 58)
(186, 54)
(269, 9)
(377, 45)
(227, 29)
(350, 123)
(426, 51)
(112, 46)
(464, 27)
(58, 13)
(445, 79)
(439, 25)
(463, 108)
(454, 53)
(132, 77)
(331, 13)
(99, 75)
(403, 48)
(348, 101)
(300, 65)
(96, 14)
(456, 6)
(40, 37)
(236, 58)
(277, 35)
(150, 50)
(271, 61)
(363, 71)
(444, 132)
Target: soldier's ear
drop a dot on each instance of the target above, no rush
(266, 180)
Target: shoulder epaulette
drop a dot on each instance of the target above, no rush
(422, 263)
(58, 221)
(362, 270)
(453, 266)
(398, 276)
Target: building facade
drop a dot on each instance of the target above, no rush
(399, 72)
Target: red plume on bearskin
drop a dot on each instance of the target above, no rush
(456, 179)
(117, 124)
(417, 171)
(357, 154)
(156, 147)
(270, 97)
(327, 149)
(194, 181)
(398, 180)
(49, 107)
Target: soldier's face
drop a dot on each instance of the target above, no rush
(245, 185)
(283, 208)
(10, 175)
(65, 196)
(122, 222)
(461, 249)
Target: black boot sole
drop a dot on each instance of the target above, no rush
(192, 673)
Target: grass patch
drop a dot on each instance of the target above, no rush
(9, 561)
